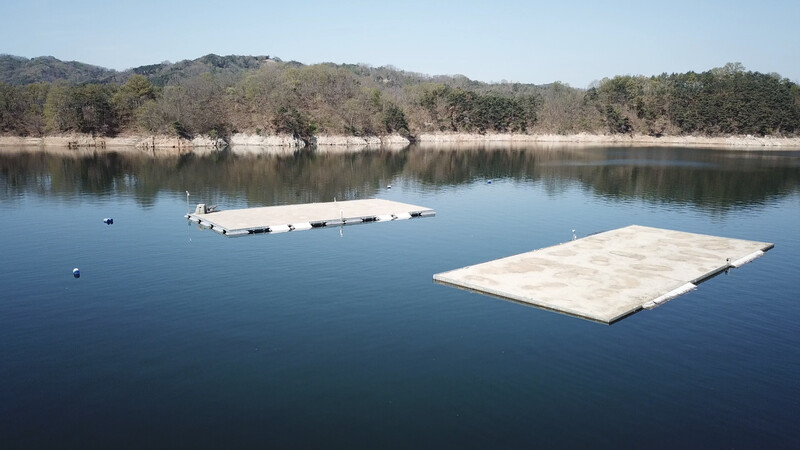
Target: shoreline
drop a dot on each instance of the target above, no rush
(587, 139)
(250, 142)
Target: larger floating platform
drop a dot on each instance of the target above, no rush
(283, 218)
(607, 276)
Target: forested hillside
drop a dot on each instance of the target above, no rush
(218, 95)
(46, 69)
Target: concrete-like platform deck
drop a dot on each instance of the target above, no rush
(277, 219)
(607, 276)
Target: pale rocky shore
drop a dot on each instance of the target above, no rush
(772, 143)
(239, 140)
(88, 141)
(247, 143)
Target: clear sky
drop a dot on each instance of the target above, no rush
(575, 42)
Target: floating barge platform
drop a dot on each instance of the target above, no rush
(280, 219)
(607, 276)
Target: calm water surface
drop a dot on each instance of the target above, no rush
(176, 337)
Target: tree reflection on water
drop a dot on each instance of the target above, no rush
(709, 179)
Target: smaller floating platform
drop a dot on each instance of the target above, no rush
(607, 276)
(283, 218)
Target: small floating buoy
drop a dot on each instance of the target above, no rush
(108, 221)
(488, 181)
(389, 186)
(76, 273)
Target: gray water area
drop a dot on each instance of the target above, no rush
(178, 337)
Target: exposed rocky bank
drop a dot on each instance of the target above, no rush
(243, 141)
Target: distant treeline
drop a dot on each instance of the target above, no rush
(218, 96)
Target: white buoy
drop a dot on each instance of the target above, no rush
(279, 228)
(76, 273)
(746, 259)
(389, 186)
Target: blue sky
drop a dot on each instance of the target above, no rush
(575, 42)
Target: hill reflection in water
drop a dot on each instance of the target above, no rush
(710, 179)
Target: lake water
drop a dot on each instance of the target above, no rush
(177, 337)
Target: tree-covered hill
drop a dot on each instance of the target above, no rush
(16, 70)
(164, 73)
(220, 95)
